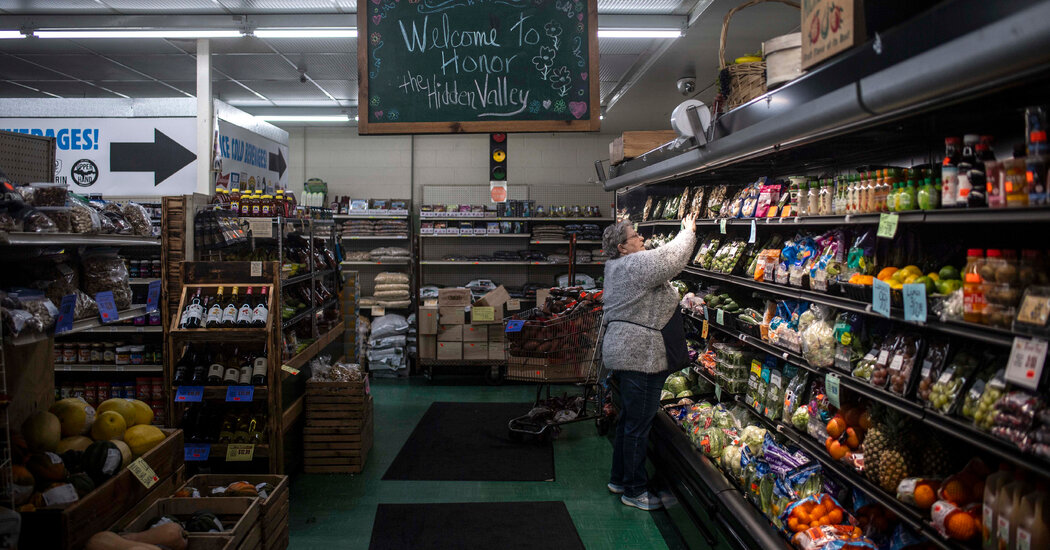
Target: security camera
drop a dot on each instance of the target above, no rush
(686, 85)
(302, 78)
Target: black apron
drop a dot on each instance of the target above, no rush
(673, 334)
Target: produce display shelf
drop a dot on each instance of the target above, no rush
(564, 242)
(487, 236)
(951, 426)
(359, 262)
(84, 325)
(307, 313)
(384, 307)
(303, 221)
(1035, 214)
(74, 239)
(982, 333)
(125, 328)
(311, 351)
(548, 264)
(375, 238)
(107, 368)
(423, 216)
(370, 217)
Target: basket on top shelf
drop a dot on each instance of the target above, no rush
(741, 82)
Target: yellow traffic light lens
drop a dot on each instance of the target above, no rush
(499, 155)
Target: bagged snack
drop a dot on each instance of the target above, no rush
(120, 225)
(34, 221)
(105, 270)
(84, 218)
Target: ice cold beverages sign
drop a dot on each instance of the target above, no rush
(478, 65)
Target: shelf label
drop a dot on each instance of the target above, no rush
(887, 225)
(483, 314)
(718, 392)
(719, 318)
(514, 326)
(880, 298)
(256, 269)
(261, 227)
(107, 308)
(513, 305)
(189, 394)
(197, 453)
(831, 386)
(239, 452)
(1025, 367)
(915, 302)
(146, 476)
(751, 239)
(65, 314)
(240, 394)
(378, 311)
(291, 370)
(153, 296)
(430, 302)
(703, 333)
(722, 225)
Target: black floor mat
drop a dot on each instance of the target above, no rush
(503, 525)
(470, 442)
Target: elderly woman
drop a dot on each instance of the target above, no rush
(644, 340)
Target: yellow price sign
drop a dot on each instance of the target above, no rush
(483, 313)
(239, 452)
(289, 369)
(146, 476)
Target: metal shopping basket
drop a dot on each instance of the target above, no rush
(557, 350)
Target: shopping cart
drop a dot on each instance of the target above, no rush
(557, 350)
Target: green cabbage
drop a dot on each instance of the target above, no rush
(800, 418)
(684, 393)
(676, 384)
(665, 395)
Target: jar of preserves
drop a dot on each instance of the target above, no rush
(69, 353)
(266, 208)
(109, 353)
(96, 353)
(123, 355)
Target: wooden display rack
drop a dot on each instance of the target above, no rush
(227, 274)
(338, 432)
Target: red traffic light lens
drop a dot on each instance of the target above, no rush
(499, 138)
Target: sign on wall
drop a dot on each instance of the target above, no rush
(442, 66)
(119, 156)
(247, 160)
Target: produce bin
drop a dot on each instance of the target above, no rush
(239, 517)
(273, 510)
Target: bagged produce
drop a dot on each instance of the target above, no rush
(818, 335)
(104, 271)
(984, 413)
(905, 355)
(955, 522)
(932, 365)
(794, 396)
(831, 537)
(84, 218)
(815, 511)
(918, 492)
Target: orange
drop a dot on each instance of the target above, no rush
(836, 426)
(886, 273)
(956, 492)
(924, 496)
(835, 517)
(960, 526)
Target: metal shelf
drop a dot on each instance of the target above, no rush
(489, 236)
(370, 217)
(351, 262)
(306, 277)
(376, 238)
(142, 281)
(305, 314)
(1038, 214)
(108, 369)
(146, 329)
(564, 242)
(494, 219)
(446, 262)
(74, 239)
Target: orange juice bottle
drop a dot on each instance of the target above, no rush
(973, 293)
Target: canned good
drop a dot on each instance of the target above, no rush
(139, 321)
(96, 353)
(69, 353)
(137, 354)
(123, 355)
(103, 391)
(129, 390)
(155, 269)
(144, 388)
(158, 389)
(109, 353)
(78, 390)
(58, 354)
(133, 269)
(91, 393)
(83, 353)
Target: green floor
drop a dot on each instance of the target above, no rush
(336, 511)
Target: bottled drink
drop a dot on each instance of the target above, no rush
(240, 431)
(950, 172)
(190, 422)
(924, 196)
(205, 306)
(906, 199)
(228, 426)
(232, 375)
(967, 162)
(259, 368)
(183, 368)
(244, 375)
(215, 312)
(216, 369)
(973, 294)
(244, 313)
(200, 369)
(813, 200)
(882, 190)
(260, 313)
(194, 312)
(851, 195)
(229, 313)
(800, 198)
(1033, 530)
(256, 427)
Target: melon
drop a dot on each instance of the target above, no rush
(102, 460)
(75, 416)
(74, 443)
(42, 431)
(109, 425)
(125, 451)
(46, 468)
(143, 413)
(22, 486)
(82, 483)
(120, 405)
(142, 438)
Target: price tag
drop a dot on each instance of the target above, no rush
(240, 394)
(880, 298)
(1025, 367)
(256, 267)
(261, 228)
(513, 305)
(146, 476)
(153, 296)
(189, 394)
(887, 225)
(703, 333)
(831, 385)
(291, 370)
(514, 326)
(65, 314)
(915, 302)
(430, 302)
(751, 239)
(705, 313)
(239, 452)
(483, 314)
(378, 311)
(722, 225)
(107, 308)
(719, 318)
(718, 392)
(197, 453)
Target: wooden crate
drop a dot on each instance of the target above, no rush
(633, 144)
(338, 449)
(273, 512)
(72, 526)
(239, 517)
(341, 405)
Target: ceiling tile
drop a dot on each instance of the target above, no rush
(638, 7)
(18, 69)
(167, 6)
(54, 6)
(231, 91)
(606, 88)
(285, 90)
(163, 67)
(613, 67)
(313, 45)
(120, 45)
(289, 6)
(8, 90)
(254, 67)
(72, 88)
(328, 66)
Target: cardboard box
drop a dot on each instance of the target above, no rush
(453, 297)
(428, 320)
(496, 334)
(633, 144)
(819, 41)
(496, 352)
(450, 333)
(475, 333)
(476, 351)
(494, 299)
(449, 351)
(541, 296)
(452, 315)
(428, 347)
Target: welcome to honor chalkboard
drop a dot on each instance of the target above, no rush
(444, 66)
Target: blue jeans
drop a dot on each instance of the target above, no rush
(640, 399)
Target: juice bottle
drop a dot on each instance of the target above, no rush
(924, 196)
(1033, 530)
(851, 195)
(906, 199)
(935, 192)
(882, 190)
(828, 198)
(973, 293)
(989, 508)
(950, 172)
(1008, 502)
(801, 203)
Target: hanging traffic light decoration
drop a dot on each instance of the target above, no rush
(498, 167)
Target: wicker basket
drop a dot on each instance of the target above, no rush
(744, 81)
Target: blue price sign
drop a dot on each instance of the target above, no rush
(514, 326)
(197, 452)
(65, 314)
(107, 308)
(240, 394)
(189, 394)
(880, 298)
(915, 302)
(153, 296)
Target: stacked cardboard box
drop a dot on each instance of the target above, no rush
(456, 330)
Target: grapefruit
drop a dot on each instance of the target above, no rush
(143, 413)
(75, 416)
(73, 443)
(122, 406)
(108, 426)
(142, 438)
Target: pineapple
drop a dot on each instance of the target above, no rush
(936, 457)
(893, 467)
(887, 455)
(874, 445)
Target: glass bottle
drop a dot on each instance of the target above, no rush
(228, 426)
(244, 312)
(260, 313)
(256, 428)
(801, 198)
(967, 162)
(266, 206)
(950, 172)
(973, 293)
(246, 204)
(191, 315)
(229, 313)
(232, 375)
(183, 368)
(235, 200)
(869, 192)
(214, 319)
(244, 377)
(882, 187)
(259, 369)
(279, 203)
(200, 369)
(240, 431)
(216, 369)
(851, 195)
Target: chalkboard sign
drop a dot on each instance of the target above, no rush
(444, 66)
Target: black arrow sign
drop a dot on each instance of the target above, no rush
(163, 157)
(277, 163)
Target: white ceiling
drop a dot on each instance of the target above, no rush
(264, 74)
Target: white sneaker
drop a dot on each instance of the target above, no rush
(644, 501)
(615, 489)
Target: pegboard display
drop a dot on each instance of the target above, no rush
(27, 159)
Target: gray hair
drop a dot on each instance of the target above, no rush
(614, 236)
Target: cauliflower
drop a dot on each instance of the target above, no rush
(731, 459)
(753, 436)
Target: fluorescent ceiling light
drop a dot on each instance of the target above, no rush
(306, 33)
(639, 33)
(304, 118)
(11, 34)
(165, 33)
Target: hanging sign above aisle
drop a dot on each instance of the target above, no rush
(449, 66)
(119, 156)
(247, 160)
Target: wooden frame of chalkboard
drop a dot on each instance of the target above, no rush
(476, 66)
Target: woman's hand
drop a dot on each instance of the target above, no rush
(689, 222)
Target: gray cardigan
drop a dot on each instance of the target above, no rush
(638, 289)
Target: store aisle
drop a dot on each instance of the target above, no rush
(338, 511)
